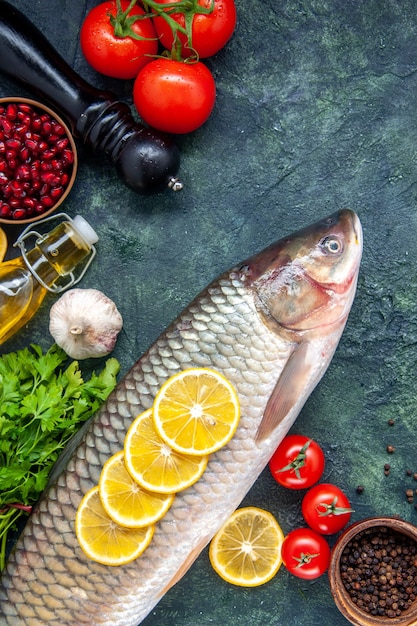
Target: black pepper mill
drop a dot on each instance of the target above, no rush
(146, 160)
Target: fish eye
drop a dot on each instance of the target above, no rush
(331, 245)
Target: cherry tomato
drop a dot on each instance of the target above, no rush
(118, 57)
(326, 509)
(174, 97)
(210, 32)
(305, 553)
(297, 463)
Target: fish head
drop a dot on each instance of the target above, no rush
(307, 280)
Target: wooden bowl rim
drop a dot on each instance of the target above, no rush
(342, 597)
(58, 118)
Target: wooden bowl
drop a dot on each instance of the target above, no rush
(71, 172)
(355, 614)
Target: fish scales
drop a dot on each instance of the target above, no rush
(48, 579)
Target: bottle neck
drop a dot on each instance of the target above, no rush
(57, 254)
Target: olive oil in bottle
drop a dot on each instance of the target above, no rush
(25, 281)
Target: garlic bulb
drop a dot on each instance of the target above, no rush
(85, 323)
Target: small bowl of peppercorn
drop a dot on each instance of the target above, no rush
(373, 572)
(38, 161)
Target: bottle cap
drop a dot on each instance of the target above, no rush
(85, 230)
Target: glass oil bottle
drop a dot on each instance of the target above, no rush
(48, 266)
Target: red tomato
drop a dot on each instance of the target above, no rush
(210, 32)
(305, 553)
(174, 97)
(119, 57)
(297, 463)
(326, 509)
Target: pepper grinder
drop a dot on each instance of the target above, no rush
(147, 161)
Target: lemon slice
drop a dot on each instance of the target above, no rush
(104, 541)
(125, 501)
(154, 464)
(196, 411)
(3, 244)
(246, 551)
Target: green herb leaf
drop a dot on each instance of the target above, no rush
(44, 399)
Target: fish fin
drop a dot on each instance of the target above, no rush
(186, 565)
(286, 392)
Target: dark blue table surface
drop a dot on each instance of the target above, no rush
(315, 111)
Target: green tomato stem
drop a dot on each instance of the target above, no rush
(122, 23)
(332, 509)
(305, 558)
(189, 8)
(298, 462)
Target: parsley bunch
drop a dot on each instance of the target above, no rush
(43, 401)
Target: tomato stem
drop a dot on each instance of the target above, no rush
(305, 558)
(122, 22)
(298, 462)
(332, 509)
(189, 8)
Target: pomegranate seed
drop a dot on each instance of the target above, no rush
(62, 144)
(5, 210)
(3, 165)
(11, 111)
(48, 154)
(7, 190)
(11, 162)
(29, 203)
(34, 172)
(10, 153)
(13, 144)
(23, 172)
(50, 178)
(47, 201)
(19, 214)
(47, 127)
(58, 128)
(16, 186)
(57, 164)
(46, 166)
(6, 125)
(24, 118)
(3, 179)
(36, 123)
(68, 157)
(2, 146)
(32, 145)
(15, 202)
(21, 129)
(22, 106)
(57, 192)
(64, 179)
(24, 154)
